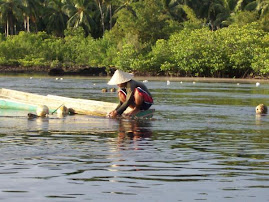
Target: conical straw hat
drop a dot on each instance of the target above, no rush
(120, 77)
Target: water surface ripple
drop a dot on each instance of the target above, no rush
(204, 143)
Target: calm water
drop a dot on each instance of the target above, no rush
(205, 143)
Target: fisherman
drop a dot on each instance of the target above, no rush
(133, 94)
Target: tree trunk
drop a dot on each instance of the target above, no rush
(102, 17)
(7, 32)
(11, 26)
(25, 23)
(28, 24)
(110, 16)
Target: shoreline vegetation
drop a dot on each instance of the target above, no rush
(213, 39)
(97, 72)
(233, 52)
(39, 73)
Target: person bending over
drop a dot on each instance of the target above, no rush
(133, 94)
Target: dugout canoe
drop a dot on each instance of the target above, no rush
(13, 99)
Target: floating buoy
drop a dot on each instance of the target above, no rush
(194, 82)
(261, 109)
(71, 111)
(42, 110)
(56, 79)
(31, 116)
(113, 90)
(62, 111)
(145, 81)
(258, 84)
(168, 82)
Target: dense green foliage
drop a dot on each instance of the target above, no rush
(220, 38)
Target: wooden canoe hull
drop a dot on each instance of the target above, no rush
(30, 101)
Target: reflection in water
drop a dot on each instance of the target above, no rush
(133, 132)
(134, 129)
(260, 118)
(40, 124)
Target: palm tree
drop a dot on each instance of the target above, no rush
(215, 12)
(80, 13)
(102, 17)
(195, 5)
(106, 13)
(107, 10)
(10, 13)
(248, 5)
(55, 17)
(30, 12)
(175, 9)
(108, 4)
(262, 7)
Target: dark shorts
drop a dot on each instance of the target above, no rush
(147, 99)
(145, 106)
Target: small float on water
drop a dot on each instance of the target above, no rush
(261, 109)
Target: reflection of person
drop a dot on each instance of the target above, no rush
(132, 94)
(134, 130)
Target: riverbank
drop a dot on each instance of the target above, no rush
(207, 79)
(98, 72)
(58, 71)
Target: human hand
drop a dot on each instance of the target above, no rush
(112, 114)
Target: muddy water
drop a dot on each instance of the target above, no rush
(204, 143)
